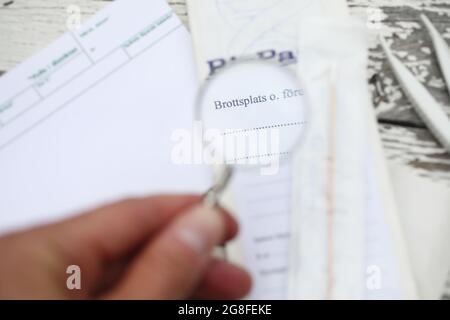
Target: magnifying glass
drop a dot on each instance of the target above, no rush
(252, 114)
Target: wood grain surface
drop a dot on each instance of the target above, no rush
(405, 137)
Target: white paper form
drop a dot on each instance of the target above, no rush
(224, 30)
(90, 118)
(265, 211)
(329, 259)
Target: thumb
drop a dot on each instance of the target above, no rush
(172, 265)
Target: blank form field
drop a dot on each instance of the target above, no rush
(12, 108)
(63, 75)
(151, 34)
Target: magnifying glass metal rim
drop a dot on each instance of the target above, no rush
(279, 68)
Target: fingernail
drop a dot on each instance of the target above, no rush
(201, 229)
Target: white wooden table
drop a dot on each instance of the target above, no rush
(27, 26)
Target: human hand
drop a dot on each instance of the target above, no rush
(149, 248)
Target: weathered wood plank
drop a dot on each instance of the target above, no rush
(418, 148)
(400, 21)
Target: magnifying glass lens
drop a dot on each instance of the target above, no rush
(250, 113)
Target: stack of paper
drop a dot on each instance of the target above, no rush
(347, 240)
(225, 30)
(90, 119)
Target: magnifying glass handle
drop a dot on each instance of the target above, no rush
(211, 200)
